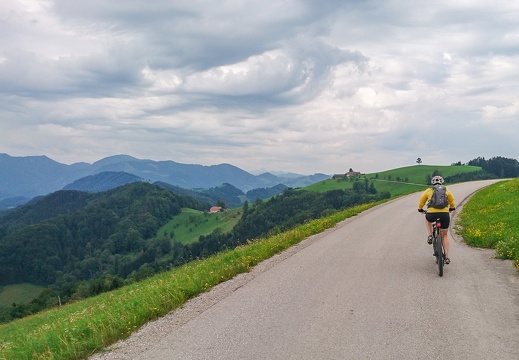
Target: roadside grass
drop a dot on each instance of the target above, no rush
(191, 224)
(397, 182)
(77, 330)
(490, 219)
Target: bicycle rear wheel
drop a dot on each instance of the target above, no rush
(438, 250)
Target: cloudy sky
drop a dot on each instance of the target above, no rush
(303, 86)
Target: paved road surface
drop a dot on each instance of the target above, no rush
(367, 289)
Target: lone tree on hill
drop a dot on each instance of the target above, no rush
(419, 161)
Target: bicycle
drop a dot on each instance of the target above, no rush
(439, 252)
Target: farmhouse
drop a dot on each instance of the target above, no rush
(348, 174)
(215, 209)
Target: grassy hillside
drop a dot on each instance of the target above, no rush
(396, 181)
(187, 227)
(16, 294)
(421, 173)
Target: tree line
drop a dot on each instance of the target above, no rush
(498, 166)
(494, 168)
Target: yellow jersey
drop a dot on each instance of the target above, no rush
(426, 197)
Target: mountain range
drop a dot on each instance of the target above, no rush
(23, 178)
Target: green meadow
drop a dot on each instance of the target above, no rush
(396, 181)
(187, 227)
(19, 293)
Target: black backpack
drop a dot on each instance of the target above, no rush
(439, 197)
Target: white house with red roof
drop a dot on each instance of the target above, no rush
(215, 209)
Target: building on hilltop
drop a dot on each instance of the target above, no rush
(348, 174)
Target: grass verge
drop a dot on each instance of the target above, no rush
(490, 219)
(77, 330)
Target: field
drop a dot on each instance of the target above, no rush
(187, 227)
(18, 294)
(397, 181)
(419, 174)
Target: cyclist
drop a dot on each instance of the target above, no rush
(434, 213)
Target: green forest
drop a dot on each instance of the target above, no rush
(74, 244)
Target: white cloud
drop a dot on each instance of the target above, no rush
(508, 113)
(299, 85)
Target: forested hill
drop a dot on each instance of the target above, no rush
(43, 208)
(80, 236)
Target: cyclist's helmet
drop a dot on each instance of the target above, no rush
(437, 180)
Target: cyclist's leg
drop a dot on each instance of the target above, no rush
(429, 221)
(444, 231)
(428, 226)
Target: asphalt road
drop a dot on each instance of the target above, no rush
(366, 289)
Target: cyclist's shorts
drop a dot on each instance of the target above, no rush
(444, 217)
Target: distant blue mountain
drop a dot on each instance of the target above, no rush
(103, 181)
(31, 176)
